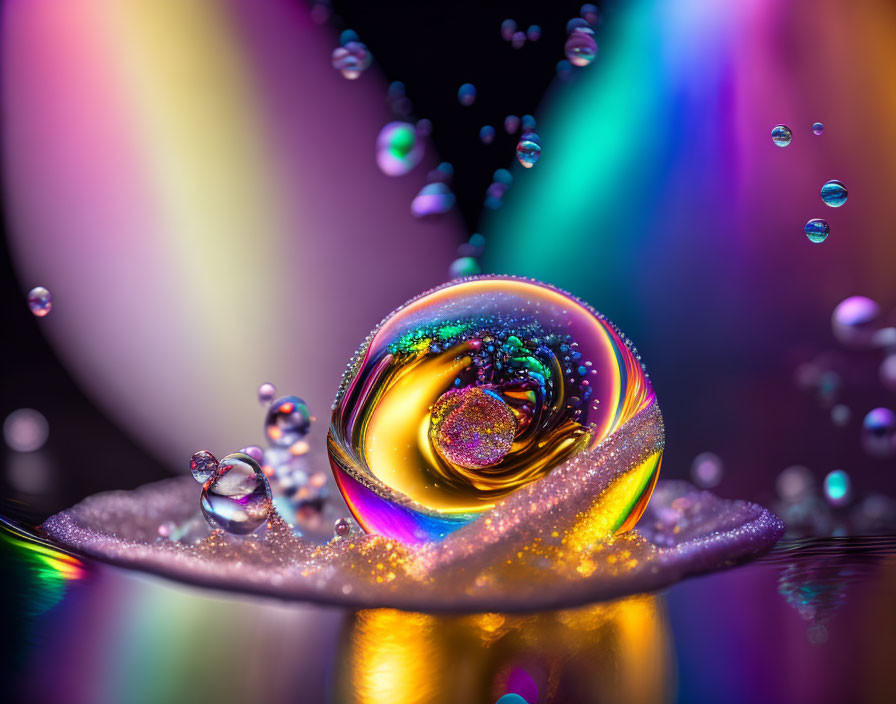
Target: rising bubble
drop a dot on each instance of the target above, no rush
(590, 13)
(781, 135)
(577, 23)
(287, 421)
(854, 321)
(817, 127)
(528, 150)
(528, 123)
(466, 94)
(237, 499)
(398, 149)
(834, 193)
(266, 393)
(351, 60)
(40, 302)
(581, 48)
(817, 230)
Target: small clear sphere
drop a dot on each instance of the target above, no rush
(40, 302)
(466, 94)
(25, 430)
(834, 193)
(266, 393)
(817, 230)
(487, 134)
(837, 488)
(511, 124)
(581, 49)
(508, 28)
(351, 59)
(203, 465)
(237, 499)
(287, 421)
(464, 266)
(781, 135)
(342, 527)
(854, 321)
(888, 372)
(707, 470)
(879, 433)
(518, 40)
(794, 483)
(817, 127)
(255, 452)
(533, 34)
(528, 150)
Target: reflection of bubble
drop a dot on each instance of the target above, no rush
(817, 230)
(237, 499)
(879, 432)
(834, 193)
(40, 302)
(781, 135)
(25, 430)
(706, 470)
(433, 199)
(817, 127)
(580, 47)
(466, 94)
(853, 321)
(464, 266)
(528, 150)
(837, 487)
(487, 134)
(398, 150)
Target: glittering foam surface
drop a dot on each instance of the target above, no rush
(545, 546)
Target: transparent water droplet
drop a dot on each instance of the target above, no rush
(487, 134)
(25, 430)
(707, 470)
(528, 150)
(508, 28)
(398, 148)
(837, 487)
(466, 94)
(351, 59)
(879, 433)
(464, 266)
(237, 499)
(533, 34)
(287, 421)
(817, 230)
(781, 135)
(433, 199)
(817, 127)
(203, 465)
(266, 393)
(581, 49)
(511, 124)
(834, 193)
(40, 302)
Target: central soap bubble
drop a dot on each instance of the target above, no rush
(472, 427)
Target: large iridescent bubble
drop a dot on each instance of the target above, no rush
(475, 390)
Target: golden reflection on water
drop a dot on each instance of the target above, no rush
(612, 652)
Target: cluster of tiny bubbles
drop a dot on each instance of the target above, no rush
(533, 34)
(706, 470)
(581, 48)
(494, 195)
(203, 465)
(237, 498)
(841, 414)
(398, 149)
(837, 488)
(853, 321)
(473, 247)
(834, 193)
(255, 452)
(528, 150)
(287, 421)
(511, 124)
(466, 94)
(25, 430)
(508, 29)
(817, 230)
(266, 393)
(487, 134)
(433, 199)
(879, 433)
(781, 135)
(817, 127)
(40, 302)
(464, 266)
(352, 57)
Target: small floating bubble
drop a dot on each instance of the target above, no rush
(518, 40)
(287, 421)
(464, 266)
(40, 302)
(266, 393)
(781, 135)
(581, 48)
(396, 89)
(590, 13)
(879, 432)
(487, 134)
(837, 487)
(25, 430)
(348, 36)
(237, 499)
(528, 123)
(351, 60)
(564, 70)
(533, 34)
(576, 23)
(255, 452)
(342, 527)
(817, 127)
(466, 94)
(854, 321)
(433, 199)
(528, 151)
(424, 127)
(706, 470)
(794, 483)
(503, 176)
(511, 124)
(203, 465)
(834, 193)
(508, 27)
(321, 11)
(398, 150)
(840, 415)
(817, 230)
